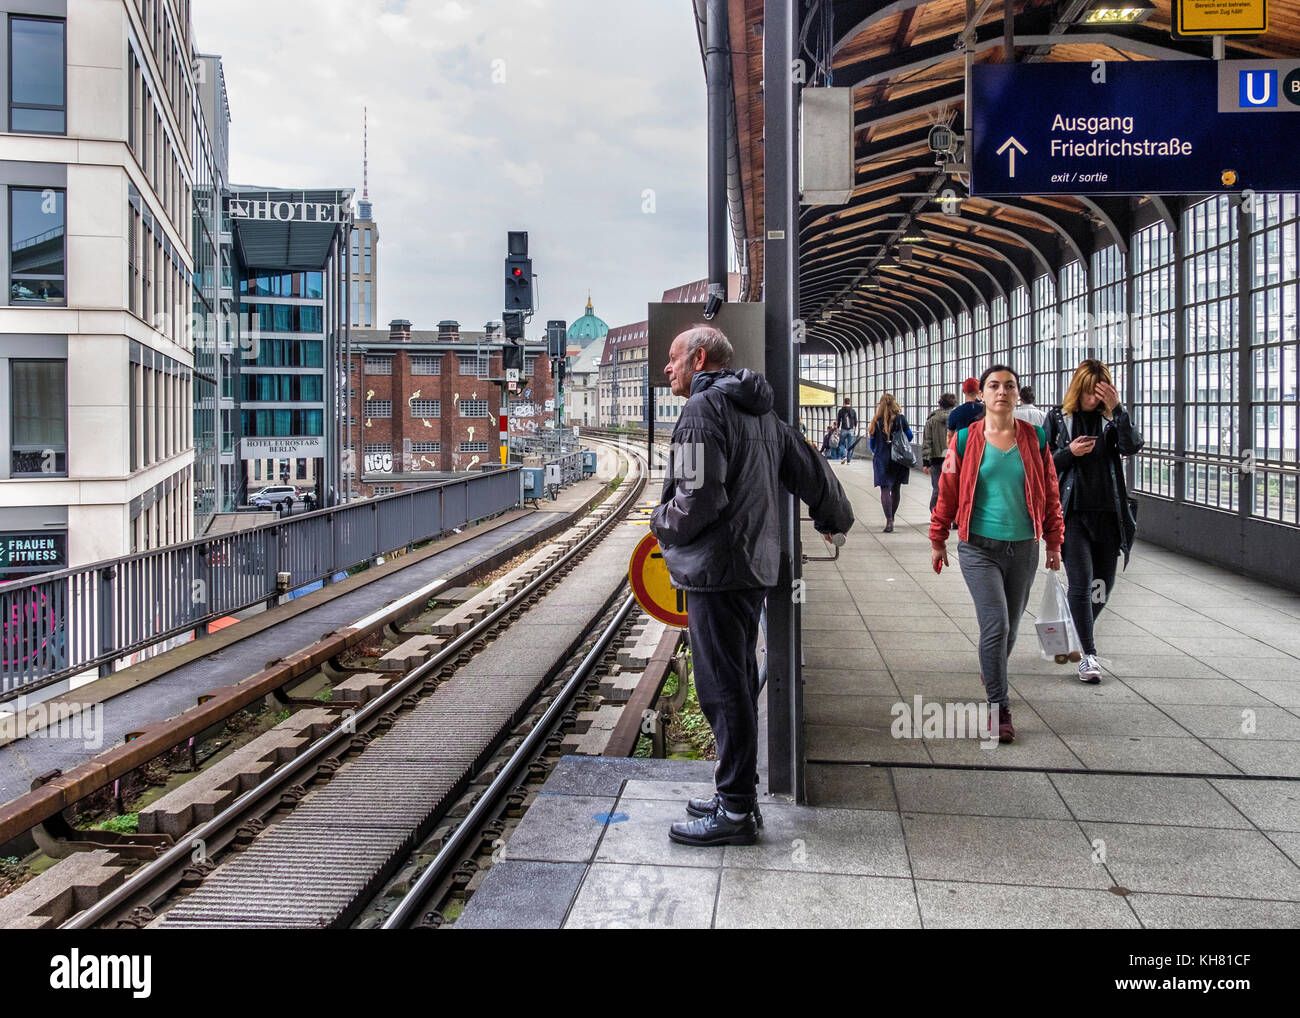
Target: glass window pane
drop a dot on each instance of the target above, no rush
(36, 229)
(36, 74)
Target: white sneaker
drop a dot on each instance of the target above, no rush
(1090, 669)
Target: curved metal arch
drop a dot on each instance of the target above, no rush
(879, 14)
(1064, 228)
(893, 299)
(939, 280)
(937, 273)
(929, 290)
(1106, 212)
(961, 258)
(932, 302)
(1046, 258)
(1010, 258)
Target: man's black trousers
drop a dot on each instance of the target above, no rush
(724, 635)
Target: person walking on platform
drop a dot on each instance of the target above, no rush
(1001, 492)
(1088, 435)
(831, 442)
(1027, 411)
(889, 476)
(847, 421)
(718, 526)
(970, 411)
(934, 442)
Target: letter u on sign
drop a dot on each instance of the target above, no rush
(1257, 88)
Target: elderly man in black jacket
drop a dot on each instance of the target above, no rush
(717, 524)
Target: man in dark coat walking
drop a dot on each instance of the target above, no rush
(718, 527)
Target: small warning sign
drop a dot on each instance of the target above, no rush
(648, 575)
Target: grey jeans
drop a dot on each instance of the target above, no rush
(999, 575)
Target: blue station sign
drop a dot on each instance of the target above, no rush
(1135, 127)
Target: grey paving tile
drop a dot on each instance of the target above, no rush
(1288, 842)
(846, 638)
(771, 899)
(598, 775)
(978, 793)
(925, 659)
(1257, 669)
(889, 639)
(965, 685)
(999, 850)
(1066, 688)
(1124, 719)
(522, 895)
(847, 683)
(1036, 748)
(851, 657)
(560, 828)
(1269, 805)
(926, 622)
(669, 791)
(1172, 666)
(947, 905)
(1207, 647)
(851, 786)
(1181, 755)
(861, 745)
(825, 840)
(1195, 860)
(644, 897)
(862, 711)
(1171, 629)
(1283, 692)
(1146, 799)
(1220, 692)
(1178, 912)
(643, 836)
(1234, 722)
(1261, 757)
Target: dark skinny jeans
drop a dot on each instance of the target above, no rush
(1090, 555)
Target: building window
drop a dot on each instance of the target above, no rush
(36, 246)
(472, 364)
(426, 408)
(385, 489)
(418, 447)
(379, 408)
(379, 365)
(474, 408)
(426, 365)
(473, 447)
(301, 470)
(38, 396)
(37, 76)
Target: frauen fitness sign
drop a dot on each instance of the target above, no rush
(272, 210)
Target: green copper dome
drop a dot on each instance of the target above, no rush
(588, 328)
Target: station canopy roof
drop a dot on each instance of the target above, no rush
(905, 64)
(296, 239)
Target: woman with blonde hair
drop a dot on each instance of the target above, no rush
(1088, 434)
(886, 423)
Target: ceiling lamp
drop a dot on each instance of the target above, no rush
(1117, 12)
(912, 237)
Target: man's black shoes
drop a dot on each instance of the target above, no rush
(703, 807)
(715, 829)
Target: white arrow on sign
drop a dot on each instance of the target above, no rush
(1014, 146)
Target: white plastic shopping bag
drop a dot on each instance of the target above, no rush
(1057, 637)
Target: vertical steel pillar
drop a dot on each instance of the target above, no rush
(1180, 356)
(781, 295)
(717, 62)
(1245, 362)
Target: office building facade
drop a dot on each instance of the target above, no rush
(103, 156)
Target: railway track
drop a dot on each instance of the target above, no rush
(312, 842)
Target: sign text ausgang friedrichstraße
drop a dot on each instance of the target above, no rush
(1135, 127)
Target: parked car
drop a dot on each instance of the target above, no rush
(273, 496)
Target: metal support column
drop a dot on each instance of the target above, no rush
(1180, 359)
(780, 292)
(717, 65)
(1245, 428)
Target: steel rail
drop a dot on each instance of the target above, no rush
(158, 877)
(449, 856)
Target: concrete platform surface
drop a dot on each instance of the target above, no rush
(904, 848)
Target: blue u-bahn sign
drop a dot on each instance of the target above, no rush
(1135, 127)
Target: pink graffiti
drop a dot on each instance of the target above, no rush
(15, 645)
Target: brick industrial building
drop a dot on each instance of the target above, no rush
(423, 404)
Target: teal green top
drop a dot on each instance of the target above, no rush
(999, 512)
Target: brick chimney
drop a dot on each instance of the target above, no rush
(448, 331)
(399, 330)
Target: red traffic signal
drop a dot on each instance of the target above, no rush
(516, 272)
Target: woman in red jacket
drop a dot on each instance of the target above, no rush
(999, 486)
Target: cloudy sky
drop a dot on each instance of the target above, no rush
(581, 121)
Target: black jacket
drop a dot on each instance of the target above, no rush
(1119, 438)
(846, 418)
(717, 520)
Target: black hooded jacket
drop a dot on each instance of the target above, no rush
(717, 520)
